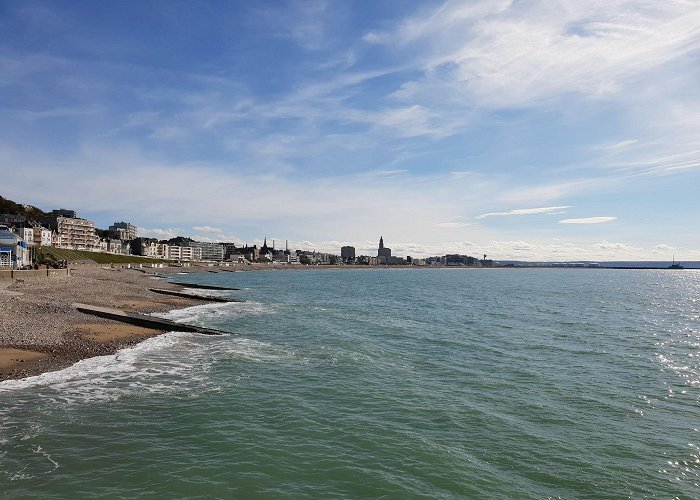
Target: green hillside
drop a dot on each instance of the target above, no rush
(49, 255)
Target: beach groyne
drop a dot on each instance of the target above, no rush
(143, 320)
(186, 295)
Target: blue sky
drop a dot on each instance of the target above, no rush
(541, 130)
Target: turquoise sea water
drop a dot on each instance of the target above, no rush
(382, 383)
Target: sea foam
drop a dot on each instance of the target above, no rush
(158, 364)
(202, 313)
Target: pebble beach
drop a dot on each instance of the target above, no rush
(41, 331)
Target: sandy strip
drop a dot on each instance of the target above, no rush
(9, 357)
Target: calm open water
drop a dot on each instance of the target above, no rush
(395, 383)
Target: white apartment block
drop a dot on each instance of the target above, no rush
(151, 250)
(184, 253)
(210, 251)
(162, 250)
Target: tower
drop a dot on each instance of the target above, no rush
(384, 254)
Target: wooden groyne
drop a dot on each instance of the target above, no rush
(202, 287)
(144, 320)
(186, 295)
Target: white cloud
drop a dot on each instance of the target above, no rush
(451, 225)
(663, 248)
(588, 220)
(515, 53)
(208, 229)
(615, 247)
(619, 145)
(160, 233)
(526, 211)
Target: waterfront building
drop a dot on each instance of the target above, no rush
(230, 250)
(238, 258)
(111, 245)
(123, 231)
(163, 250)
(72, 232)
(14, 253)
(383, 254)
(26, 234)
(184, 253)
(146, 247)
(209, 251)
(42, 236)
(347, 254)
(460, 260)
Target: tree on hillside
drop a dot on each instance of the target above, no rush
(13, 208)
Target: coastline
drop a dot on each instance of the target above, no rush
(41, 332)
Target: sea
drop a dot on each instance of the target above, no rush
(382, 383)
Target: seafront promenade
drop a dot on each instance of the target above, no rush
(32, 274)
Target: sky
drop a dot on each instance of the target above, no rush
(521, 129)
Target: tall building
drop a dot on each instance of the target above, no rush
(347, 253)
(72, 232)
(209, 251)
(383, 254)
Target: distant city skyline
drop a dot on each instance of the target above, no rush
(522, 130)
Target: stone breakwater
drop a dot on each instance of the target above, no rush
(40, 330)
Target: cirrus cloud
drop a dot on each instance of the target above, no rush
(525, 211)
(588, 220)
(208, 229)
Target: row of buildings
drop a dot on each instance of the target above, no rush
(188, 249)
(64, 229)
(59, 228)
(384, 258)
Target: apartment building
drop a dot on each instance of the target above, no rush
(123, 231)
(209, 251)
(72, 232)
(184, 253)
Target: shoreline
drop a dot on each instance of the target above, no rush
(41, 332)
